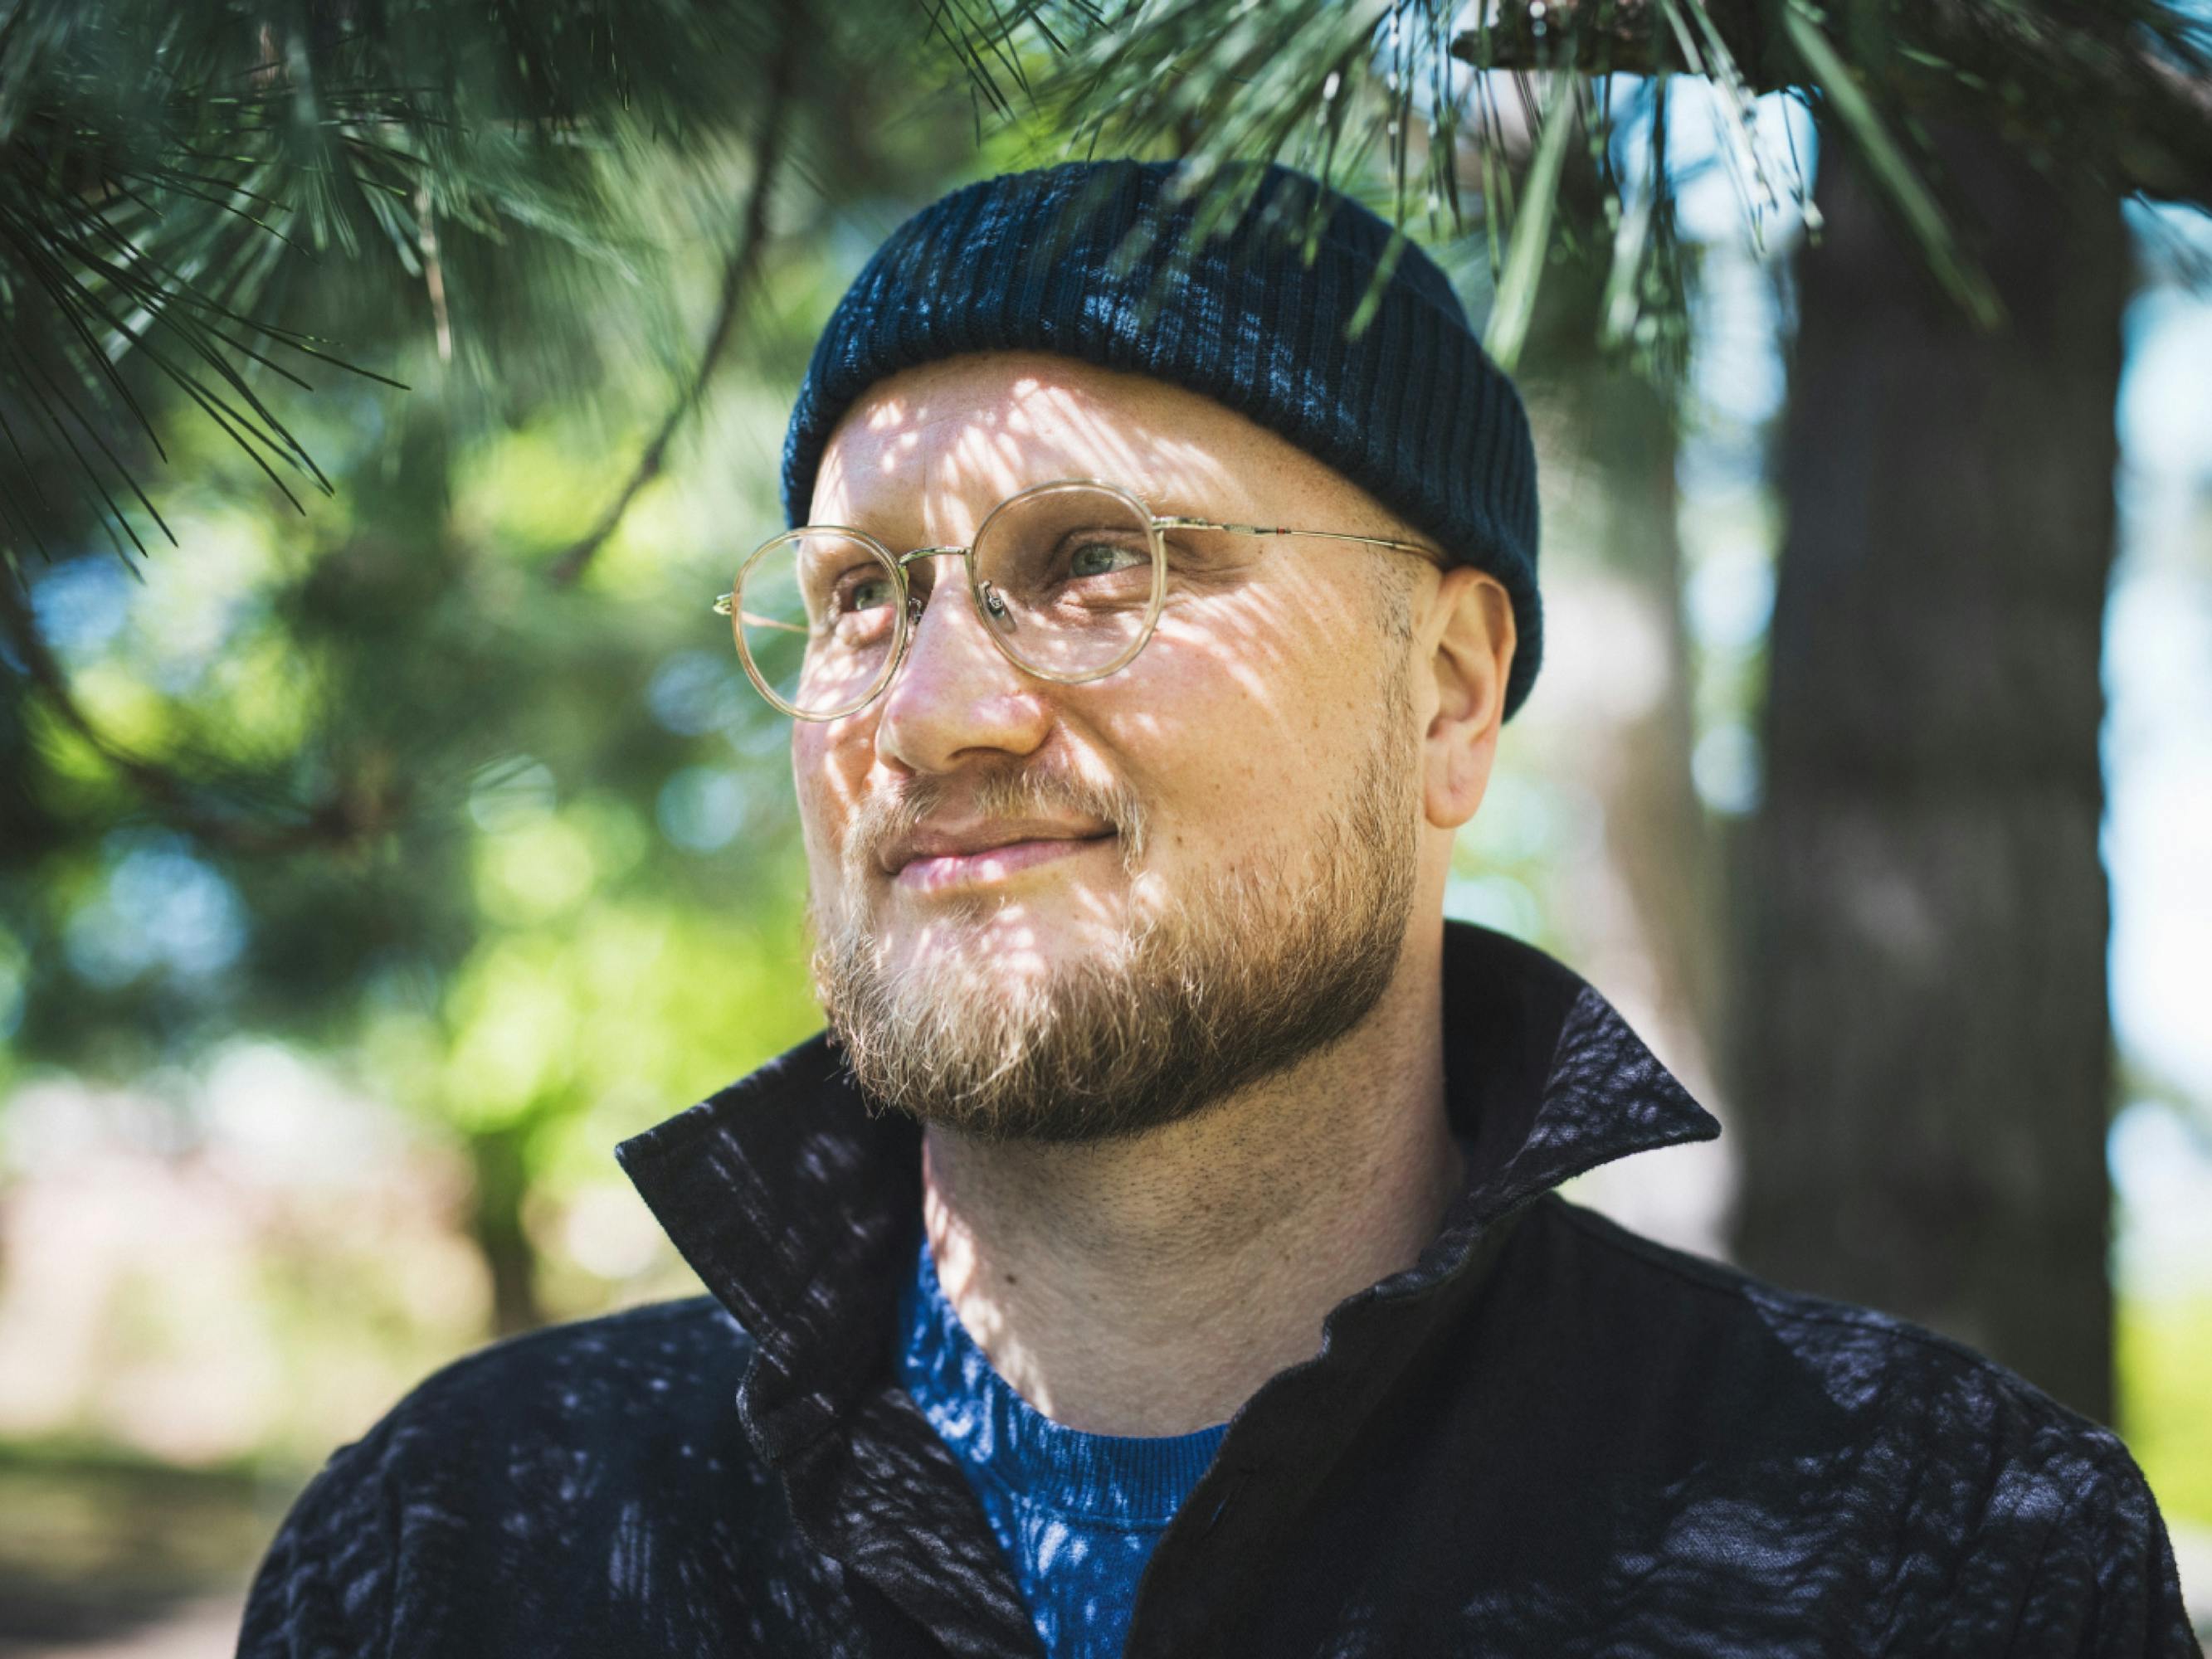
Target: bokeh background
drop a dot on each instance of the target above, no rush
(371, 863)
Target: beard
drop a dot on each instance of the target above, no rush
(1259, 967)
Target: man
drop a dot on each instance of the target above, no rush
(1157, 1255)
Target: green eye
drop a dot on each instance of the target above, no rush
(868, 592)
(1105, 558)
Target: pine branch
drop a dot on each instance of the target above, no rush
(2115, 92)
(737, 273)
(2121, 88)
(164, 169)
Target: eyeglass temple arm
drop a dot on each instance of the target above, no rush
(726, 603)
(1428, 553)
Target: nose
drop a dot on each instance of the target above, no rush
(956, 697)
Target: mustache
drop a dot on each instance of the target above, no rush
(1031, 792)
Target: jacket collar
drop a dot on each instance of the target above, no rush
(799, 1208)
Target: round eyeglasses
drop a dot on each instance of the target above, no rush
(1068, 578)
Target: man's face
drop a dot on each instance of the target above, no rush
(1066, 912)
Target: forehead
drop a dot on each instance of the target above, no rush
(948, 437)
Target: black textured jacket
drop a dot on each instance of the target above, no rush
(1546, 1438)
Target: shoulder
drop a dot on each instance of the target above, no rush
(581, 1371)
(619, 1383)
(514, 1451)
(1864, 1362)
(1932, 1457)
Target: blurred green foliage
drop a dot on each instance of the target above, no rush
(2163, 1354)
(584, 910)
(517, 854)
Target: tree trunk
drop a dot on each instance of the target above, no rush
(498, 1157)
(1651, 936)
(1617, 715)
(1921, 1030)
(1657, 828)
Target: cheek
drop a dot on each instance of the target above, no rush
(829, 767)
(1236, 716)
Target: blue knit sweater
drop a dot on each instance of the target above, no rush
(1077, 1513)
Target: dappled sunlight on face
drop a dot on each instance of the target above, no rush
(928, 911)
(1021, 874)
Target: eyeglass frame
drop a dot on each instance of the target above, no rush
(909, 606)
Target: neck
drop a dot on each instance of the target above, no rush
(1148, 1286)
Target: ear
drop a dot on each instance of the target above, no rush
(1466, 638)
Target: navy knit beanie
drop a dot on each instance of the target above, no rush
(1412, 410)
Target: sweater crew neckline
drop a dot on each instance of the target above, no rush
(1109, 1480)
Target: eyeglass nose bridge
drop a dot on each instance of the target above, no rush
(994, 607)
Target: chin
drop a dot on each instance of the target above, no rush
(981, 938)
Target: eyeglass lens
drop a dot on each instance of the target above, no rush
(1064, 578)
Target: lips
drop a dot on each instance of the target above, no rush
(941, 873)
(939, 856)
